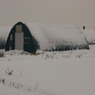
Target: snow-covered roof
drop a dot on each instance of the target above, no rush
(4, 32)
(50, 35)
(90, 35)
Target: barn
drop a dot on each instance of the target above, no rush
(47, 37)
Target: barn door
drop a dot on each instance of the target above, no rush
(19, 40)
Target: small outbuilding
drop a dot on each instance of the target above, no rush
(48, 37)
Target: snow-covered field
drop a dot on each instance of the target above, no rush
(48, 73)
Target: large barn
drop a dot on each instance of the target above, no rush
(48, 37)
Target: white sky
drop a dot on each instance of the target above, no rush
(78, 12)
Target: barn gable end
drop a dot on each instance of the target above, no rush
(27, 42)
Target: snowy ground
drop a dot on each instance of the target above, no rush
(48, 73)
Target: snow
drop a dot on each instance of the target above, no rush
(7, 91)
(51, 35)
(48, 73)
(90, 35)
(4, 32)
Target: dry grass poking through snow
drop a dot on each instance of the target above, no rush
(1, 54)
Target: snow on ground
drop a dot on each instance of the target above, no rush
(48, 73)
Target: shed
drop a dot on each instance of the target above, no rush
(48, 37)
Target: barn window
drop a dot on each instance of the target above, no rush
(26, 40)
(11, 37)
(18, 28)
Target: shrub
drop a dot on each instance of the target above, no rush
(1, 54)
(9, 71)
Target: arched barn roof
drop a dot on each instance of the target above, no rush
(90, 36)
(52, 35)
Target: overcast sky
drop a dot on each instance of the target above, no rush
(78, 12)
